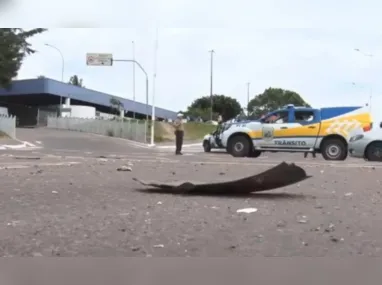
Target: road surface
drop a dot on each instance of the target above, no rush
(68, 199)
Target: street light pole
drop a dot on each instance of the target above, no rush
(154, 79)
(147, 88)
(370, 56)
(62, 67)
(133, 44)
(211, 81)
(248, 85)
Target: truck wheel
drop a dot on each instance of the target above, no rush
(334, 149)
(374, 152)
(239, 146)
(207, 146)
(255, 153)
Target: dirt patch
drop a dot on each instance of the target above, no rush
(192, 131)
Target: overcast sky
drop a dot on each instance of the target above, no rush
(305, 46)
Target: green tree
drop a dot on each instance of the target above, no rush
(225, 106)
(14, 47)
(116, 104)
(272, 99)
(76, 81)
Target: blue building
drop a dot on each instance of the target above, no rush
(47, 92)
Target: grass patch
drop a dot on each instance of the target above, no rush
(195, 131)
(164, 132)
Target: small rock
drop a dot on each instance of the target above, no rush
(54, 192)
(158, 246)
(281, 224)
(334, 239)
(349, 194)
(304, 243)
(303, 220)
(135, 248)
(125, 168)
(322, 171)
(221, 173)
(214, 208)
(159, 203)
(318, 206)
(103, 159)
(330, 228)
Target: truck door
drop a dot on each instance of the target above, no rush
(274, 127)
(304, 128)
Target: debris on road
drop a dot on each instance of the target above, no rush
(330, 228)
(135, 248)
(158, 246)
(302, 219)
(54, 192)
(279, 176)
(27, 157)
(159, 203)
(349, 194)
(247, 210)
(124, 168)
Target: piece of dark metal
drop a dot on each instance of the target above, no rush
(279, 176)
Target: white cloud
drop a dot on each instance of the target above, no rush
(301, 45)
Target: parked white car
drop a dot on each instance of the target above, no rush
(367, 145)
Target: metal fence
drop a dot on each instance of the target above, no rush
(128, 129)
(8, 125)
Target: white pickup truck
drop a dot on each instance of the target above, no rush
(298, 129)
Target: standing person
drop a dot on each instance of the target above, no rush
(179, 133)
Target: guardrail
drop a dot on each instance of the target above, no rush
(127, 128)
(8, 125)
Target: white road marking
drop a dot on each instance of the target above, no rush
(21, 166)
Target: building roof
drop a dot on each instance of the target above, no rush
(57, 88)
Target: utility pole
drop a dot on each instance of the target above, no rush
(62, 68)
(370, 56)
(133, 44)
(211, 82)
(248, 85)
(152, 143)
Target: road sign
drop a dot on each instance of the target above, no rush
(99, 59)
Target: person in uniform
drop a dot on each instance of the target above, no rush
(179, 133)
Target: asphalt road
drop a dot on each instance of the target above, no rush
(68, 199)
